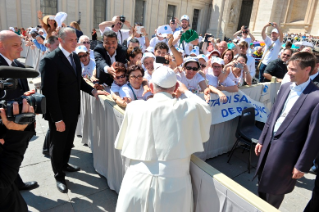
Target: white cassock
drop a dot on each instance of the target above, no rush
(159, 136)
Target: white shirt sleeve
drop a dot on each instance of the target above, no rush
(212, 80)
(267, 41)
(199, 78)
(105, 29)
(105, 69)
(228, 82)
(115, 88)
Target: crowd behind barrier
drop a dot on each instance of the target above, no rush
(101, 120)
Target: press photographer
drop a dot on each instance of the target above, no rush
(10, 49)
(15, 132)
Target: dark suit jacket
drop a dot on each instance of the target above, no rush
(61, 86)
(102, 59)
(23, 83)
(295, 144)
(316, 80)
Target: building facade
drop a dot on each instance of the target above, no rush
(220, 17)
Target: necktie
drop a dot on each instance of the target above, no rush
(72, 63)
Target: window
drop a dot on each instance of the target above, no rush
(170, 12)
(99, 12)
(139, 12)
(195, 19)
(49, 7)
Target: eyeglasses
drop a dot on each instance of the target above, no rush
(188, 68)
(217, 67)
(139, 77)
(202, 65)
(288, 55)
(86, 42)
(85, 55)
(120, 77)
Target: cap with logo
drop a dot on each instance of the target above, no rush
(80, 49)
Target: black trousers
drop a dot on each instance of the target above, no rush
(61, 145)
(46, 144)
(313, 204)
(274, 200)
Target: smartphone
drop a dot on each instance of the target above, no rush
(161, 60)
(207, 36)
(173, 20)
(239, 65)
(138, 29)
(271, 24)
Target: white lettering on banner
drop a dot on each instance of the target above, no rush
(236, 103)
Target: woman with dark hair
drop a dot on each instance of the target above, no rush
(120, 79)
(133, 90)
(48, 23)
(23, 32)
(237, 71)
(94, 35)
(228, 56)
(134, 56)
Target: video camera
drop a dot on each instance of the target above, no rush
(38, 101)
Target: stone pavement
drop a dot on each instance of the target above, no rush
(237, 170)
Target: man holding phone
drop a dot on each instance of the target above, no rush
(173, 24)
(116, 25)
(140, 34)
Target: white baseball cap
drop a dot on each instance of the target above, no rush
(185, 17)
(163, 31)
(164, 77)
(218, 60)
(210, 54)
(202, 56)
(150, 49)
(275, 30)
(147, 55)
(11, 28)
(190, 59)
(194, 52)
(80, 49)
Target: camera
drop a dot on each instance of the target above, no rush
(38, 101)
(122, 18)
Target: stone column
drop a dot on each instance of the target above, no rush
(216, 18)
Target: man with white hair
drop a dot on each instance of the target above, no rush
(87, 63)
(158, 178)
(116, 25)
(85, 40)
(272, 47)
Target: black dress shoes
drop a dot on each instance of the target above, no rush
(28, 186)
(71, 168)
(61, 185)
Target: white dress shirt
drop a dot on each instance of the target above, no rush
(295, 92)
(9, 63)
(7, 60)
(112, 58)
(66, 53)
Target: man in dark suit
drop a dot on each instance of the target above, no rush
(61, 82)
(106, 54)
(10, 49)
(289, 141)
(313, 204)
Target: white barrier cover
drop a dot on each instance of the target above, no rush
(236, 103)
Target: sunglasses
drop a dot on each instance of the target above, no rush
(288, 55)
(202, 65)
(85, 55)
(188, 68)
(86, 42)
(120, 77)
(136, 77)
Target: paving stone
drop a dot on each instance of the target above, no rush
(63, 208)
(101, 201)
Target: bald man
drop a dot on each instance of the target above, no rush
(10, 49)
(222, 46)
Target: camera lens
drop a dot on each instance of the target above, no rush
(38, 102)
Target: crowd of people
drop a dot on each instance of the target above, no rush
(175, 62)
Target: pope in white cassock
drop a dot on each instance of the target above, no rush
(159, 136)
